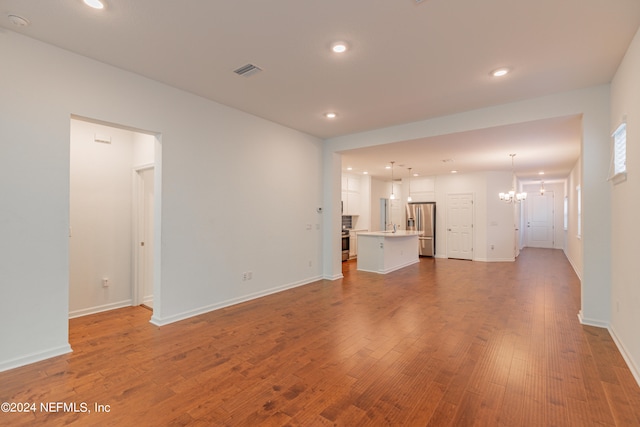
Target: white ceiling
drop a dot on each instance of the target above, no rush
(407, 61)
(550, 146)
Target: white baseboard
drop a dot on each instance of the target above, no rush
(34, 357)
(621, 348)
(592, 322)
(99, 309)
(334, 277)
(635, 371)
(158, 321)
(573, 265)
(494, 259)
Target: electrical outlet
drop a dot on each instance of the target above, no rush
(105, 282)
(244, 276)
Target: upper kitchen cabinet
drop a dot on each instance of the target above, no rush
(423, 189)
(351, 200)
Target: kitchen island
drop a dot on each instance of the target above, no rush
(386, 251)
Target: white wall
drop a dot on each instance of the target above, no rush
(625, 290)
(143, 149)
(501, 219)
(474, 184)
(228, 204)
(379, 190)
(574, 242)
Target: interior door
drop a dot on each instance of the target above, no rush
(539, 226)
(145, 237)
(460, 226)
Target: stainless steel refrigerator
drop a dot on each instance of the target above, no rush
(422, 217)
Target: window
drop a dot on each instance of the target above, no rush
(619, 153)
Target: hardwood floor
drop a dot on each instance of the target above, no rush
(439, 343)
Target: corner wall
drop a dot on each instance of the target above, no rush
(228, 204)
(625, 288)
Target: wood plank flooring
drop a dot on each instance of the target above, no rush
(439, 343)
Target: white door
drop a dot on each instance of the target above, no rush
(460, 226)
(539, 225)
(144, 243)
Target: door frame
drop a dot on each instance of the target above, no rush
(138, 218)
(551, 214)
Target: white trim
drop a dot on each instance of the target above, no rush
(491, 260)
(156, 320)
(144, 166)
(618, 178)
(35, 357)
(334, 277)
(575, 270)
(592, 322)
(621, 348)
(137, 203)
(100, 308)
(635, 371)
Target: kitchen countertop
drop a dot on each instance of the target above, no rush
(399, 233)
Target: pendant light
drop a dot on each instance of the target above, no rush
(512, 196)
(392, 196)
(409, 197)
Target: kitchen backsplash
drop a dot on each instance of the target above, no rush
(347, 221)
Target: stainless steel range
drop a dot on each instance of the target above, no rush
(345, 245)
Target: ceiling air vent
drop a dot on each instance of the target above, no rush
(247, 70)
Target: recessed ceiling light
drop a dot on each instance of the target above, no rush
(18, 21)
(541, 173)
(416, 174)
(387, 167)
(454, 171)
(339, 47)
(349, 168)
(500, 72)
(330, 115)
(96, 4)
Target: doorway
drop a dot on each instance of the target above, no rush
(112, 170)
(144, 243)
(539, 221)
(385, 214)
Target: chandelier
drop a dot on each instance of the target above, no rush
(512, 196)
(392, 196)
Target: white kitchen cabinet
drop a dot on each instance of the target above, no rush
(353, 203)
(350, 195)
(353, 242)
